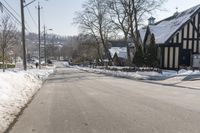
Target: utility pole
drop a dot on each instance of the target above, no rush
(45, 45)
(45, 50)
(22, 6)
(39, 47)
(23, 35)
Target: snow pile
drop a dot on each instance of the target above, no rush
(145, 75)
(130, 75)
(65, 63)
(16, 89)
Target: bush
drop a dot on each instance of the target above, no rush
(8, 66)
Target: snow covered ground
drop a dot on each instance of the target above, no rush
(146, 75)
(16, 89)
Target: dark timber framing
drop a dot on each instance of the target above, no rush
(188, 33)
(178, 48)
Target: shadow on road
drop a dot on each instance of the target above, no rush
(63, 78)
(172, 85)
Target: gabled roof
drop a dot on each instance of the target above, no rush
(165, 29)
(120, 51)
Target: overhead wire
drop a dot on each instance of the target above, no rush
(31, 17)
(29, 12)
(12, 8)
(10, 13)
(14, 18)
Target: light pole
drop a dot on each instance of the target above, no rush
(45, 48)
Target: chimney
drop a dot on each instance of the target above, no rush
(151, 20)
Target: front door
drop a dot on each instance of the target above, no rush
(185, 57)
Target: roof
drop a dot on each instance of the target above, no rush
(118, 43)
(164, 29)
(120, 51)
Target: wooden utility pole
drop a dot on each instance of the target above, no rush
(45, 50)
(45, 44)
(23, 35)
(39, 37)
(22, 6)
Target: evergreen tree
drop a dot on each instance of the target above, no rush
(138, 59)
(151, 53)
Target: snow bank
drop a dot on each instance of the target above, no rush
(66, 63)
(144, 75)
(16, 89)
(131, 75)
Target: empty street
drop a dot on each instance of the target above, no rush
(74, 101)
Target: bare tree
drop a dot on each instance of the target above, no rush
(85, 51)
(119, 17)
(137, 9)
(7, 36)
(17, 47)
(94, 21)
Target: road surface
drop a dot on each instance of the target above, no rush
(74, 101)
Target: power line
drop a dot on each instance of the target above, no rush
(15, 19)
(9, 12)
(43, 16)
(11, 8)
(31, 16)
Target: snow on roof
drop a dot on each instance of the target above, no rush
(120, 51)
(164, 29)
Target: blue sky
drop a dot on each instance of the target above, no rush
(59, 14)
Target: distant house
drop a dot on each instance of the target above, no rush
(119, 55)
(118, 51)
(177, 38)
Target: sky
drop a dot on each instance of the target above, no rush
(58, 14)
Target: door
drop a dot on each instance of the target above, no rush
(185, 57)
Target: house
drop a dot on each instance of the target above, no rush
(119, 55)
(177, 38)
(118, 51)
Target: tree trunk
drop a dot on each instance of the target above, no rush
(15, 59)
(3, 56)
(104, 44)
(99, 53)
(98, 48)
(106, 49)
(128, 50)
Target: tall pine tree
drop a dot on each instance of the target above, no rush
(138, 59)
(151, 53)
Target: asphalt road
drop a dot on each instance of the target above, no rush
(73, 101)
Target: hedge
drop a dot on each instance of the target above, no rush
(8, 66)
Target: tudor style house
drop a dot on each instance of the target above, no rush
(177, 38)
